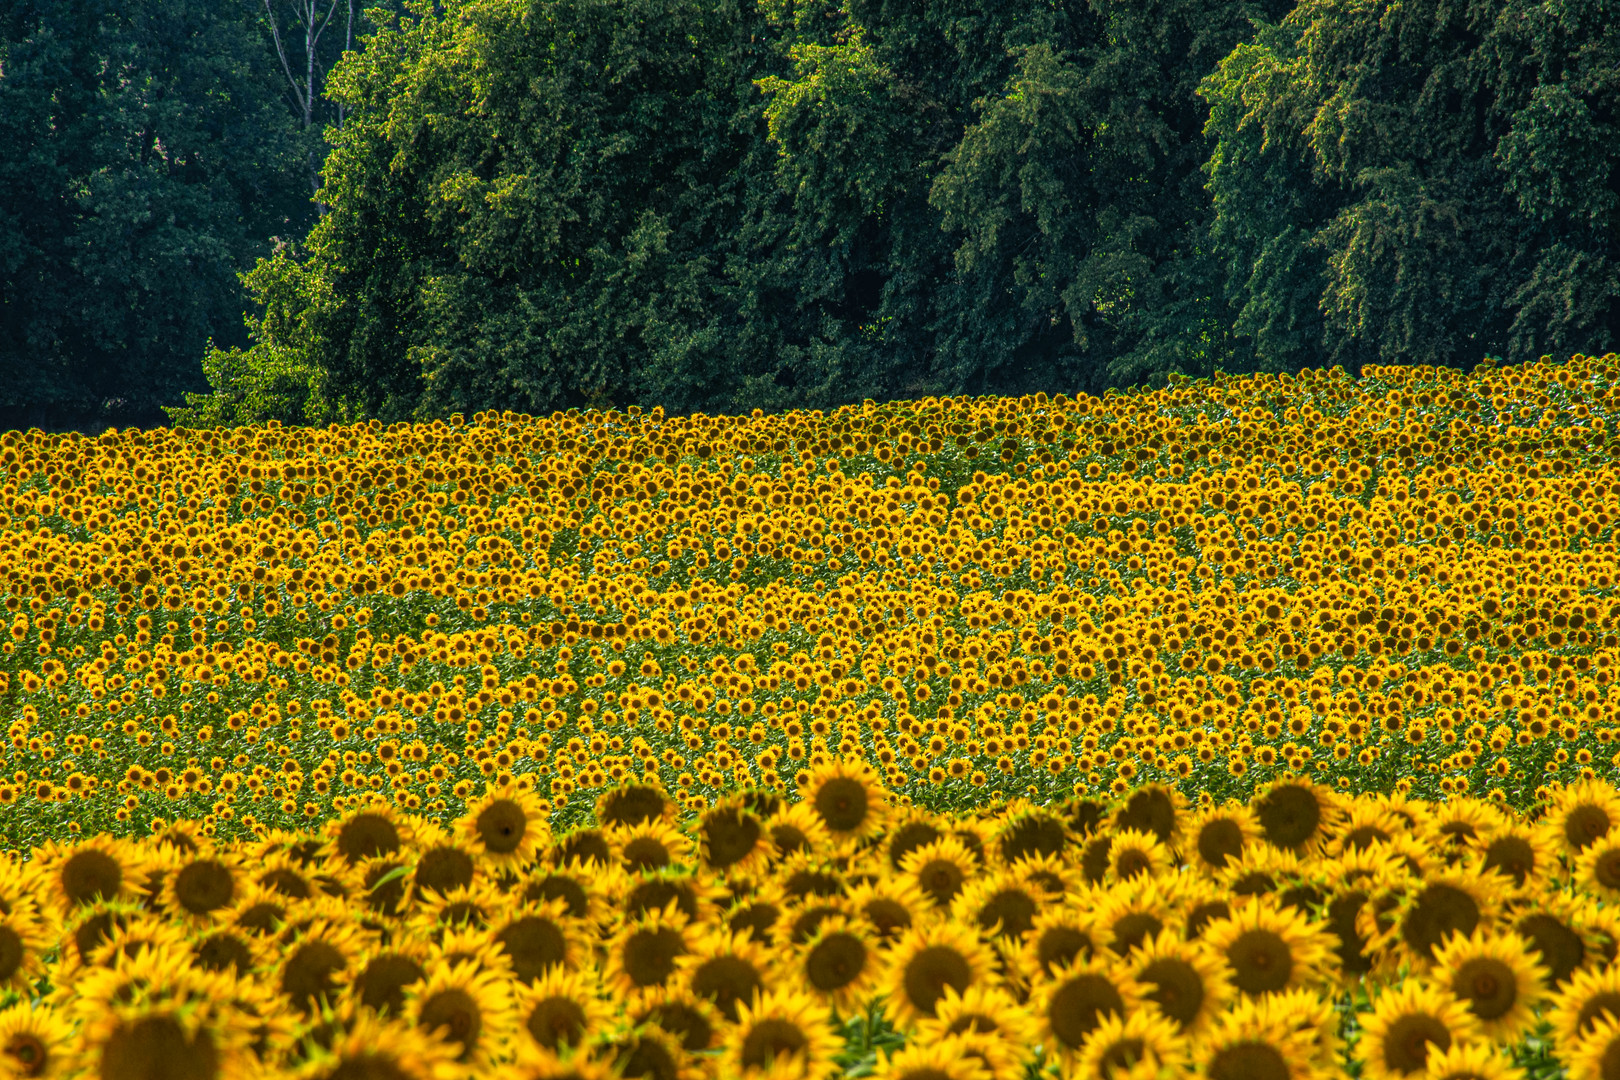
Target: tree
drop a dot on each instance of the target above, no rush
(148, 160)
(1421, 182)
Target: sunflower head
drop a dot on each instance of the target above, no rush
(1143, 1044)
(1219, 835)
(839, 964)
(847, 798)
(727, 969)
(201, 885)
(1267, 947)
(100, 868)
(1256, 1041)
(634, 804)
(797, 828)
(1448, 903)
(383, 977)
(1183, 980)
(370, 1046)
(1409, 1022)
(690, 1019)
(1581, 815)
(1595, 1057)
(1059, 937)
(948, 1058)
(367, 832)
(1497, 977)
(930, 958)
(36, 1043)
(466, 1006)
(1589, 996)
(889, 906)
(1154, 809)
(1296, 813)
(1136, 855)
(1031, 831)
(940, 869)
(733, 838)
(505, 827)
(780, 1034)
(1003, 905)
(1075, 1002)
(538, 936)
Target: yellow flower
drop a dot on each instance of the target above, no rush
(505, 827)
(36, 1043)
(1497, 976)
(1409, 1022)
(1267, 948)
(925, 961)
(1074, 1003)
(782, 1035)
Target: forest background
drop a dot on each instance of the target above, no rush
(224, 211)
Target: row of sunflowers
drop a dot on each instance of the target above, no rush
(1403, 581)
(1302, 935)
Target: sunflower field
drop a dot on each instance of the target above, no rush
(1255, 727)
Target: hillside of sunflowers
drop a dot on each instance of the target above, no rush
(1257, 727)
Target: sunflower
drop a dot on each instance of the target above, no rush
(463, 1005)
(585, 846)
(201, 885)
(1597, 869)
(1183, 980)
(504, 828)
(222, 950)
(691, 1019)
(443, 862)
(930, 957)
(1256, 1041)
(1590, 995)
(537, 937)
(1125, 918)
(940, 869)
(1485, 1061)
(1408, 1022)
(1558, 930)
(370, 1047)
(98, 868)
(839, 964)
(651, 845)
(91, 927)
(1267, 947)
(780, 1034)
(1453, 901)
(155, 1016)
(1136, 854)
(1497, 976)
(1143, 1044)
(1221, 834)
(368, 831)
(1293, 812)
(1351, 913)
(128, 940)
(651, 1053)
(1059, 936)
(1596, 1056)
(1314, 1018)
(383, 887)
(1003, 905)
(1524, 854)
(1366, 824)
(383, 976)
(560, 1009)
(1073, 1004)
(847, 798)
(283, 874)
(585, 889)
(913, 828)
(533, 1063)
(1200, 902)
(999, 1030)
(25, 936)
(36, 1043)
(1027, 830)
(643, 954)
(890, 906)
(797, 828)
(635, 803)
(727, 969)
(1460, 823)
(314, 965)
(1581, 815)
(1261, 869)
(949, 1058)
(759, 915)
(733, 838)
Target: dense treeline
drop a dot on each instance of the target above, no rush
(721, 204)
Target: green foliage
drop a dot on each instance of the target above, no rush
(1421, 184)
(148, 157)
